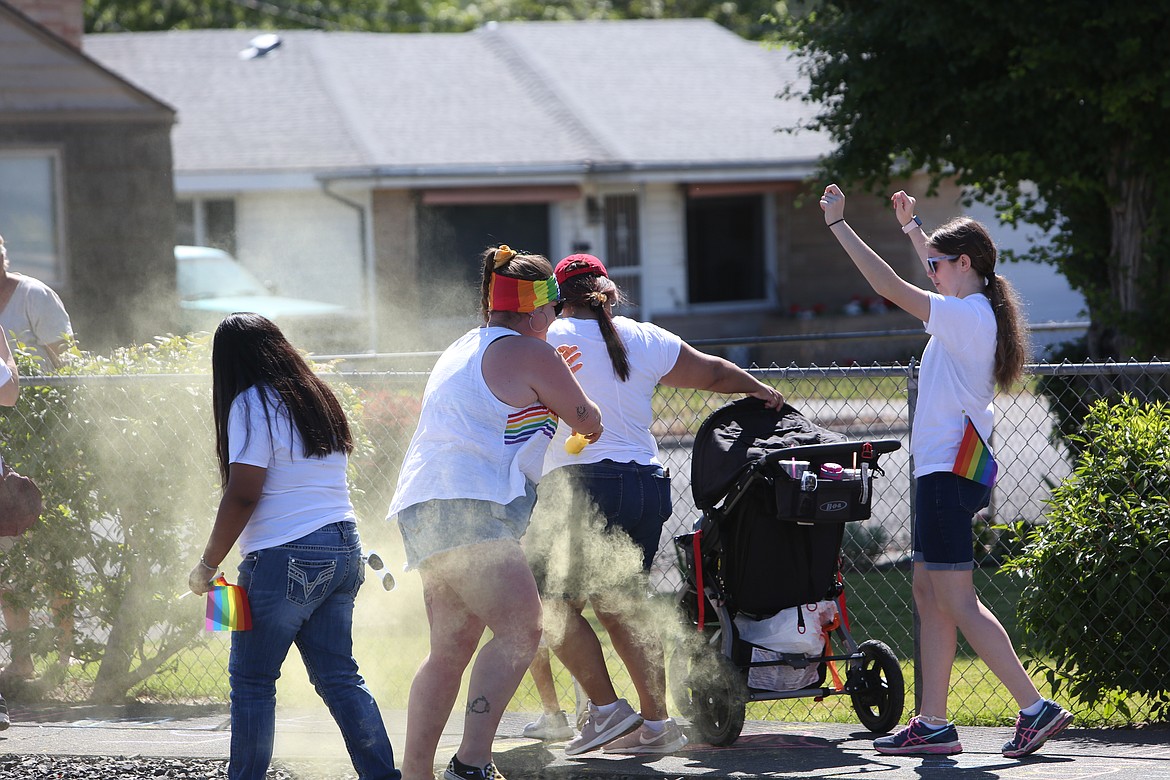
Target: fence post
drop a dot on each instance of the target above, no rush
(911, 406)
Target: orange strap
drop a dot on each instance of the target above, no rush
(829, 651)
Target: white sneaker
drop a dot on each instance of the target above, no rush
(550, 727)
(599, 729)
(645, 740)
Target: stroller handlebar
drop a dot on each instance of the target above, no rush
(842, 451)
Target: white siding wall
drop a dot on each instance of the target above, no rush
(664, 249)
(305, 242)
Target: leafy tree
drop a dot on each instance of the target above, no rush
(144, 15)
(1067, 94)
(746, 17)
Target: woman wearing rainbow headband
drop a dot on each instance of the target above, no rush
(464, 498)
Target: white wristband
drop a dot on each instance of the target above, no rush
(5, 374)
(910, 226)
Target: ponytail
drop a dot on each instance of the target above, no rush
(1011, 332)
(600, 294)
(964, 235)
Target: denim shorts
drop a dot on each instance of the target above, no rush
(945, 505)
(445, 524)
(630, 498)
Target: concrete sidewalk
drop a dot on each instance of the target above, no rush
(765, 749)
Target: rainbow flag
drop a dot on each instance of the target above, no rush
(227, 607)
(974, 460)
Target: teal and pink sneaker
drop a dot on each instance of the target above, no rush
(919, 739)
(1032, 731)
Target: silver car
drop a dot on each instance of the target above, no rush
(213, 284)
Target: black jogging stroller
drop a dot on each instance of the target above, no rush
(763, 604)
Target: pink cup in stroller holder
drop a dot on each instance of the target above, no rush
(831, 471)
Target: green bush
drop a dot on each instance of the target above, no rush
(1097, 594)
(126, 468)
(123, 448)
(1070, 394)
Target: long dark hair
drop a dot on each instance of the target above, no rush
(964, 235)
(598, 292)
(250, 351)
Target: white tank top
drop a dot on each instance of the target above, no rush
(470, 444)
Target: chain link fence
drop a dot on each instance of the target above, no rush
(127, 466)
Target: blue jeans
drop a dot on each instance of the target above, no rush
(302, 592)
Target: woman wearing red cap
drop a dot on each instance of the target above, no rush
(622, 361)
(464, 498)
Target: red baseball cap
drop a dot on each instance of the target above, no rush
(575, 265)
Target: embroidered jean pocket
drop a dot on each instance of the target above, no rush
(308, 581)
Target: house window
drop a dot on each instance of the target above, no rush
(725, 249)
(623, 249)
(30, 213)
(206, 222)
(452, 239)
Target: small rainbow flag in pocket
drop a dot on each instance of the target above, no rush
(227, 607)
(974, 460)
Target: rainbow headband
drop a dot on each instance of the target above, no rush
(508, 293)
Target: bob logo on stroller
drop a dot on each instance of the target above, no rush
(833, 506)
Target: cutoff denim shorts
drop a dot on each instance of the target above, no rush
(440, 525)
(945, 505)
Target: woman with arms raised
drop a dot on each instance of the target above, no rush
(977, 340)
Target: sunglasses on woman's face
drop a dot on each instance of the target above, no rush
(934, 261)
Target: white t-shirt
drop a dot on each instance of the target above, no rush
(957, 377)
(300, 494)
(35, 316)
(626, 409)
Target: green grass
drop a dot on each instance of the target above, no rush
(390, 641)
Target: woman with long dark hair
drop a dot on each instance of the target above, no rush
(282, 440)
(978, 340)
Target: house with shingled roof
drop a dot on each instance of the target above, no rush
(372, 169)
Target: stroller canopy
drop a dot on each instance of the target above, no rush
(738, 434)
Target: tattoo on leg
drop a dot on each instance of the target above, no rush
(480, 706)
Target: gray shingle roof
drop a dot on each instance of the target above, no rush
(553, 94)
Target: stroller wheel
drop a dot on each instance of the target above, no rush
(880, 702)
(718, 698)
